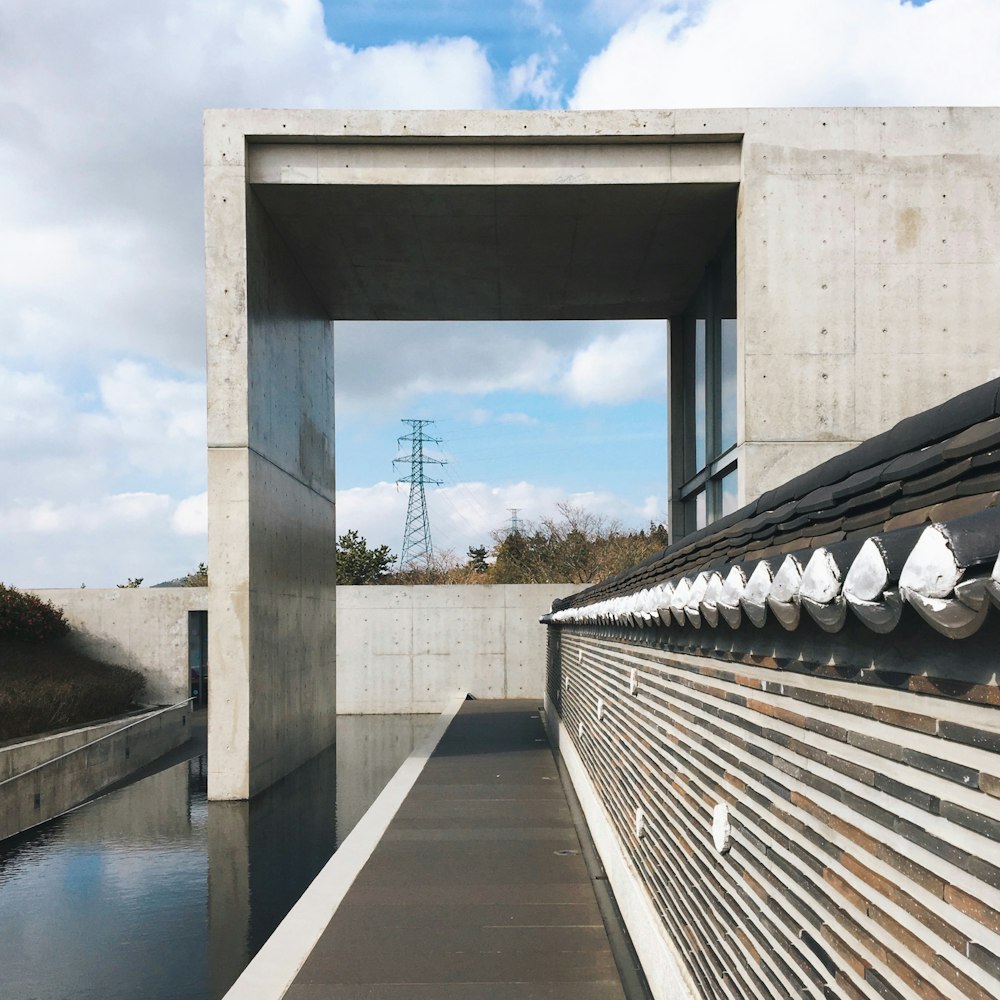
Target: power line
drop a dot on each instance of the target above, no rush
(417, 534)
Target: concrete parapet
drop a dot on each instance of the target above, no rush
(67, 778)
(20, 757)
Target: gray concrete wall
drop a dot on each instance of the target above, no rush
(271, 494)
(62, 782)
(411, 649)
(869, 274)
(142, 628)
(398, 649)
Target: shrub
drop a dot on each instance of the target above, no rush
(29, 618)
(46, 686)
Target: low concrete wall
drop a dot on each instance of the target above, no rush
(20, 757)
(144, 628)
(410, 649)
(66, 780)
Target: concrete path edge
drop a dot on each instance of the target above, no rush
(273, 969)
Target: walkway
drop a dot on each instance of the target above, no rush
(478, 890)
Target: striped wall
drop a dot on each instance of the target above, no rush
(863, 807)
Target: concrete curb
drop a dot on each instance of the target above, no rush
(273, 969)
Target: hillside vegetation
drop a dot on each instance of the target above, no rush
(45, 685)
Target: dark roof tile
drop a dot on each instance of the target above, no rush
(973, 439)
(919, 516)
(829, 539)
(942, 464)
(819, 499)
(975, 539)
(869, 519)
(879, 496)
(986, 459)
(943, 475)
(913, 463)
(822, 528)
(987, 482)
(904, 504)
(858, 482)
(963, 506)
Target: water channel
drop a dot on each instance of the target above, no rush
(152, 891)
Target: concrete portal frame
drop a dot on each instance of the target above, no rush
(867, 246)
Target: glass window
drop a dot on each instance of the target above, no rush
(727, 389)
(704, 366)
(700, 429)
(729, 488)
(700, 510)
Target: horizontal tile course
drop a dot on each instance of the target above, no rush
(724, 734)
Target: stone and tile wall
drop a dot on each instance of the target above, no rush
(809, 795)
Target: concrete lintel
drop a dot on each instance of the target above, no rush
(477, 163)
(227, 129)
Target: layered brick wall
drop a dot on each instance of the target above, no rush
(853, 752)
(865, 857)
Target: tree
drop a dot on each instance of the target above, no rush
(133, 582)
(28, 618)
(477, 558)
(358, 564)
(199, 578)
(575, 547)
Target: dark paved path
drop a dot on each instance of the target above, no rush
(468, 896)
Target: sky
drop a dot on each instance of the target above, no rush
(102, 382)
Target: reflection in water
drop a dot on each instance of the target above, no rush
(152, 891)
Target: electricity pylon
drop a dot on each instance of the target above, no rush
(417, 536)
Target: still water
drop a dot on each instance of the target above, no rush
(152, 891)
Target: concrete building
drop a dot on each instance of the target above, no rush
(817, 268)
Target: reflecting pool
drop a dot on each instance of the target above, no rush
(152, 891)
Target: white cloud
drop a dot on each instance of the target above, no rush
(517, 418)
(89, 515)
(156, 422)
(88, 473)
(191, 515)
(763, 53)
(100, 540)
(100, 150)
(618, 369)
(377, 512)
(534, 78)
(479, 417)
(382, 366)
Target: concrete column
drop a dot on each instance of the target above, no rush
(272, 537)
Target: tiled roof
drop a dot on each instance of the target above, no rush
(911, 516)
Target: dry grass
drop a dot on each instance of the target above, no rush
(46, 686)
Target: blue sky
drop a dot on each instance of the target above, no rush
(561, 36)
(102, 386)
